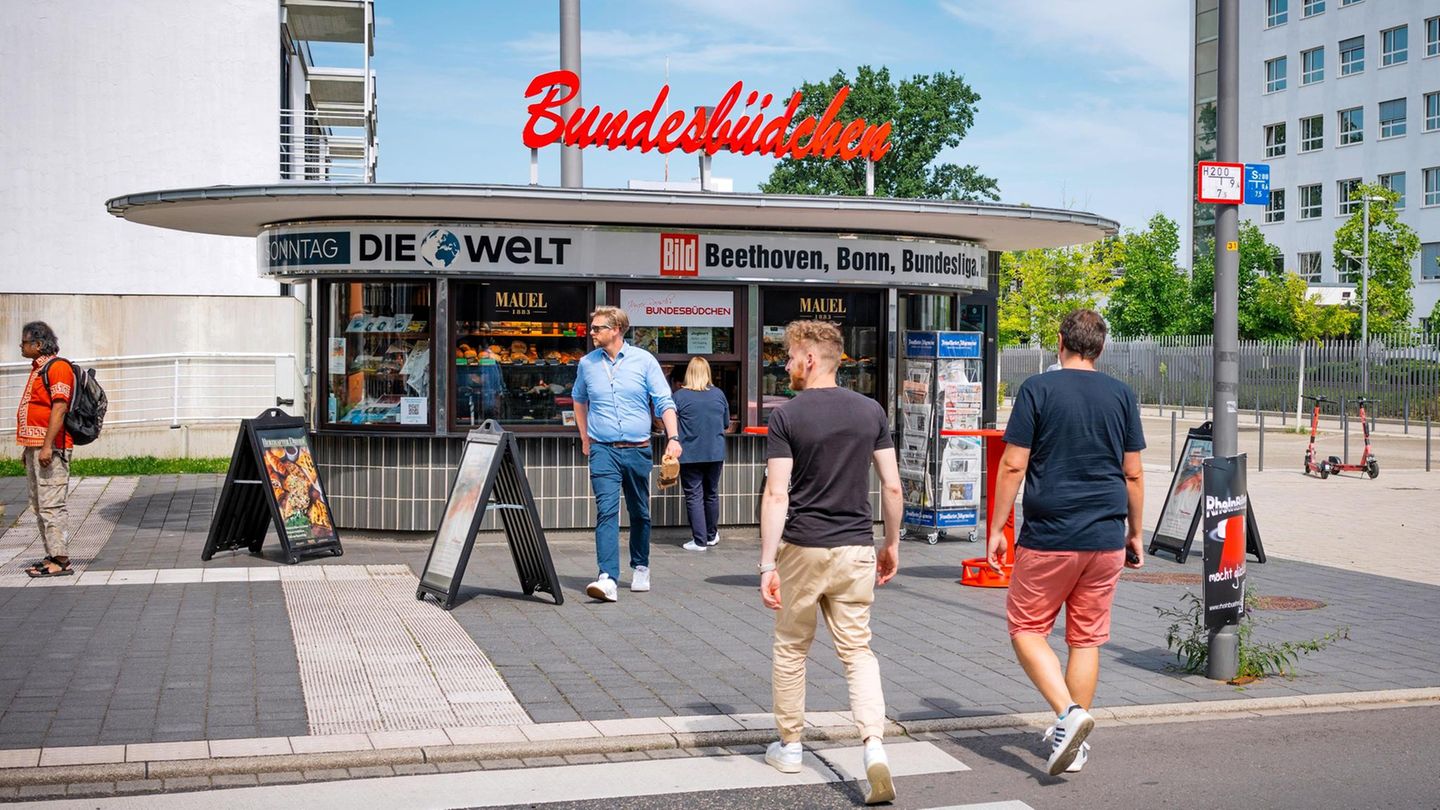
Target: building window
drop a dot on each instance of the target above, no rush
(1430, 265)
(1310, 202)
(378, 357)
(1352, 126)
(1396, 183)
(1349, 270)
(1432, 112)
(1275, 209)
(1275, 140)
(1312, 7)
(1432, 186)
(1275, 75)
(1394, 45)
(1352, 55)
(1344, 3)
(1432, 36)
(1345, 190)
(860, 316)
(1312, 66)
(1277, 12)
(1392, 118)
(1309, 265)
(1312, 133)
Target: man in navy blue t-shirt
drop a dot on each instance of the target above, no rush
(1074, 435)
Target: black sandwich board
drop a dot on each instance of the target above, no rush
(273, 480)
(1181, 514)
(490, 469)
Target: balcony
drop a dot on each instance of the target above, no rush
(328, 131)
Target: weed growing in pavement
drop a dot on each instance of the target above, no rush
(1190, 639)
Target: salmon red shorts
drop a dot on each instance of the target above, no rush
(1082, 581)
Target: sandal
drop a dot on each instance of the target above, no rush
(42, 569)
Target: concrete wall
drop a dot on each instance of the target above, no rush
(1410, 153)
(106, 98)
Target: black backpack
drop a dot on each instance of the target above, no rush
(88, 403)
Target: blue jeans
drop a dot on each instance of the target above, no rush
(701, 484)
(613, 470)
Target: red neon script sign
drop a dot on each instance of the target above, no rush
(748, 134)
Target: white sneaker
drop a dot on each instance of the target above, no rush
(603, 589)
(784, 758)
(640, 581)
(877, 771)
(1080, 757)
(1070, 734)
(714, 541)
(691, 545)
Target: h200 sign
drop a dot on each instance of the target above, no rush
(1221, 183)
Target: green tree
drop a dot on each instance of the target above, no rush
(930, 113)
(1393, 245)
(1257, 316)
(1432, 323)
(1040, 287)
(1153, 295)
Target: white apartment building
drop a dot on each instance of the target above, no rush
(1332, 93)
(101, 98)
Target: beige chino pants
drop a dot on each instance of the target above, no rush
(840, 584)
(48, 488)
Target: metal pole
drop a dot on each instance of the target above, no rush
(1407, 409)
(572, 170)
(869, 178)
(1427, 441)
(1172, 440)
(1365, 300)
(1345, 429)
(1262, 442)
(1224, 643)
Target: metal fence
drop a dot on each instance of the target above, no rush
(173, 389)
(1176, 371)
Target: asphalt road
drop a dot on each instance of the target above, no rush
(1343, 760)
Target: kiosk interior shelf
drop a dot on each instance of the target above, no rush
(517, 372)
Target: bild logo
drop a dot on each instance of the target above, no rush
(679, 254)
(439, 248)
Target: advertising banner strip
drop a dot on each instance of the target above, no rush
(567, 253)
(1226, 503)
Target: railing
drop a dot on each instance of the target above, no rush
(336, 144)
(1404, 372)
(174, 389)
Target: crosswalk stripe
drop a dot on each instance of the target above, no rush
(534, 785)
(1013, 804)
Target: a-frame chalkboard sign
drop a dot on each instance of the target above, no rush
(490, 470)
(1181, 514)
(273, 480)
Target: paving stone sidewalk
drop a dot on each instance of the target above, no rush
(151, 662)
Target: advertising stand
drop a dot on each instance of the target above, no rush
(273, 480)
(942, 380)
(490, 470)
(1181, 514)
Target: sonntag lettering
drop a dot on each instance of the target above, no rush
(304, 249)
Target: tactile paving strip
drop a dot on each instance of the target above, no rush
(89, 502)
(373, 658)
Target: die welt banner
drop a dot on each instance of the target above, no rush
(1226, 501)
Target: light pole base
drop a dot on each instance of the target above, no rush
(1223, 662)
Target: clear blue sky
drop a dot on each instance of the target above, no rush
(1082, 104)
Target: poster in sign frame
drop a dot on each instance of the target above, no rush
(1226, 507)
(273, 480)
(490, 477)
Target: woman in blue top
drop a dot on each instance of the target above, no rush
(704, 414)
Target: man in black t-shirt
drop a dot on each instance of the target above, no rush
(817, 542)
(1075, 437)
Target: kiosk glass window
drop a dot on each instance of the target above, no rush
(677, 324)
(378, 353)
(860, 318)
(515, 348)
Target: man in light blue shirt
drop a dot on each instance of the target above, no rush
(618, 389)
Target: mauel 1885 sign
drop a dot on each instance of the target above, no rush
(747, 134)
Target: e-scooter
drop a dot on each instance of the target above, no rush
(1368, 463)
(1314, 465)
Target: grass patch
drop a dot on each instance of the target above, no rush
(129, 465)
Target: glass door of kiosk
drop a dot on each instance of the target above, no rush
(678, 324)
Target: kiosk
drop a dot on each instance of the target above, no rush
(438, 307)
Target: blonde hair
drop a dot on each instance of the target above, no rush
(821, 337)
(697, 374)
(615, 315)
